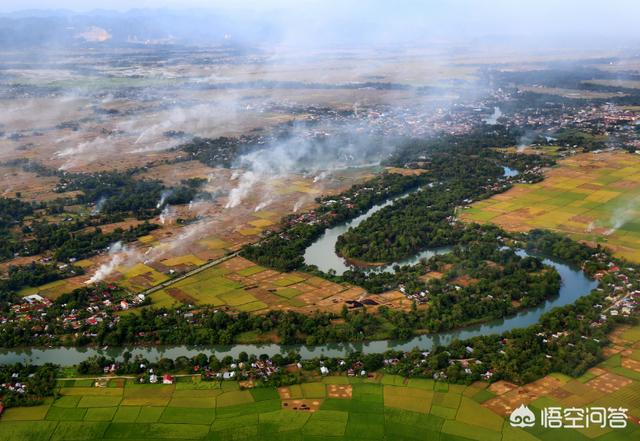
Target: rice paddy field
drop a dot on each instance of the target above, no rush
(379, 407)
(593, 197)
(241, 285)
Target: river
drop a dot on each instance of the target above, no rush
(322, 254)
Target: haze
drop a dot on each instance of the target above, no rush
(319, 23)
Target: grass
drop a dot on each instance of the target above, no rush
(443, 412)
(162, 299)
(451, 401)
(362, 425)
(237, 297)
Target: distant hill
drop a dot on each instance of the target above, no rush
(60, 28)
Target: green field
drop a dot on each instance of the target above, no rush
(384, 408)
(238, 284)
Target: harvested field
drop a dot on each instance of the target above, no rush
(593, 197)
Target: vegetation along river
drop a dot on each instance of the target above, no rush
(322, 253)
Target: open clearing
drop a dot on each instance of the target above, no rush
(593, 197)
(331, 408)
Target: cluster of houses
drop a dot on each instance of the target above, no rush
(623, 299)
(165, 379)
(102, 306)
(606, 119)
(30, 308)
(13, 386)
(418, 297)
(34, 310)
(257, 369)
(387, 120)
(100, 311)
(623, 287)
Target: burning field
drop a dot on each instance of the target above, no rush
(593, 197)
(213, 229)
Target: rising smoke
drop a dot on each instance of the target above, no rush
(119, 254)
(622, 215)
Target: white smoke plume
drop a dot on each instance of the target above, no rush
(315, 152)
(262, 205)
(85, 151)
(493, 119)
(163, 197)
(238, 194)
(166, 215)
(320, 177)
(622, 215)
(300, 202)
(120, 254)
(98, 207)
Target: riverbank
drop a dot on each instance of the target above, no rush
(336, 405)
(575, 285)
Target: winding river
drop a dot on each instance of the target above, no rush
(322, 254)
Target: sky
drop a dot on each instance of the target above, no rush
(544, 19)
